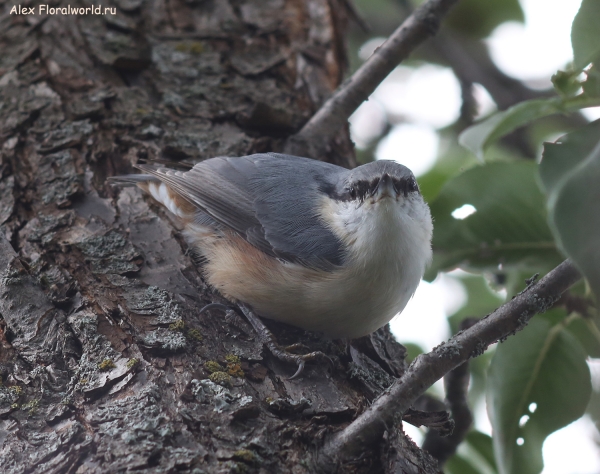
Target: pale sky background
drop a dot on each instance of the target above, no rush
(427, 98)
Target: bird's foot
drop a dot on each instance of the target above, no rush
(268, 339)
(296, 348)
(283, 354)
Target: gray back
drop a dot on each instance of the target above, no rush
(271, 200)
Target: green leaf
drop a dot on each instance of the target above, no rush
(567, 83)
(541, 373)
(587, 333)
(480, 136)
(478, 19)
(412, 351)
(570, 174)
(483, 445)
(460, 465)
(591, 85)
(509, 226)
(514, 278)
(585, 34)
(475, 455)
(583, 328)
(453, 160)
(560, 157)
(481, 300)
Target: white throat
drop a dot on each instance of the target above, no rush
(399, 229)
(389, 244)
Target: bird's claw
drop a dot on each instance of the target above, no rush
(268, 339)
(300, 359)
(300, 369)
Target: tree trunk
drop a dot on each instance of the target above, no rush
(106, 364)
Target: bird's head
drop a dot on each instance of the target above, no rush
(378, 182)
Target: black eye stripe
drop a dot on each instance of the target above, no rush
(360, 190)
(405, 185)
(363, 189)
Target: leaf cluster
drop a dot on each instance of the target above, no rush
(528, 216)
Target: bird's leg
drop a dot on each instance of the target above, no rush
(268, 339)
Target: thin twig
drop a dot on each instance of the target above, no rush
(368, 428)
(333, 115)
(356, 16)
(471, 62)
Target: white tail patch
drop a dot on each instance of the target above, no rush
(160, 192)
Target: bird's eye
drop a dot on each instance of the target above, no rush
(412, 185)
(352, 192)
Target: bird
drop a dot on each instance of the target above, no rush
(301, 241)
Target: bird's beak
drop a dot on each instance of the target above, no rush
(385, 188)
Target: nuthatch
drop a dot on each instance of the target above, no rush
(304, 242)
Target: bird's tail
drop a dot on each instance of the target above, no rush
(143, 180)
(133, 180)
(159, 190)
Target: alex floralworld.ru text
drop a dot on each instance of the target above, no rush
(68, 10)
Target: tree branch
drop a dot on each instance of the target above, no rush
(471, 61)
(387, 410)
(333, 115)
(456, 384)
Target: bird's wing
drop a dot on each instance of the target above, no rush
(270, 200)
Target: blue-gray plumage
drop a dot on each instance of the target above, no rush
(253, 195)
(319, 246)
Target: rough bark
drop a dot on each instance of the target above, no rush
(106, 365)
